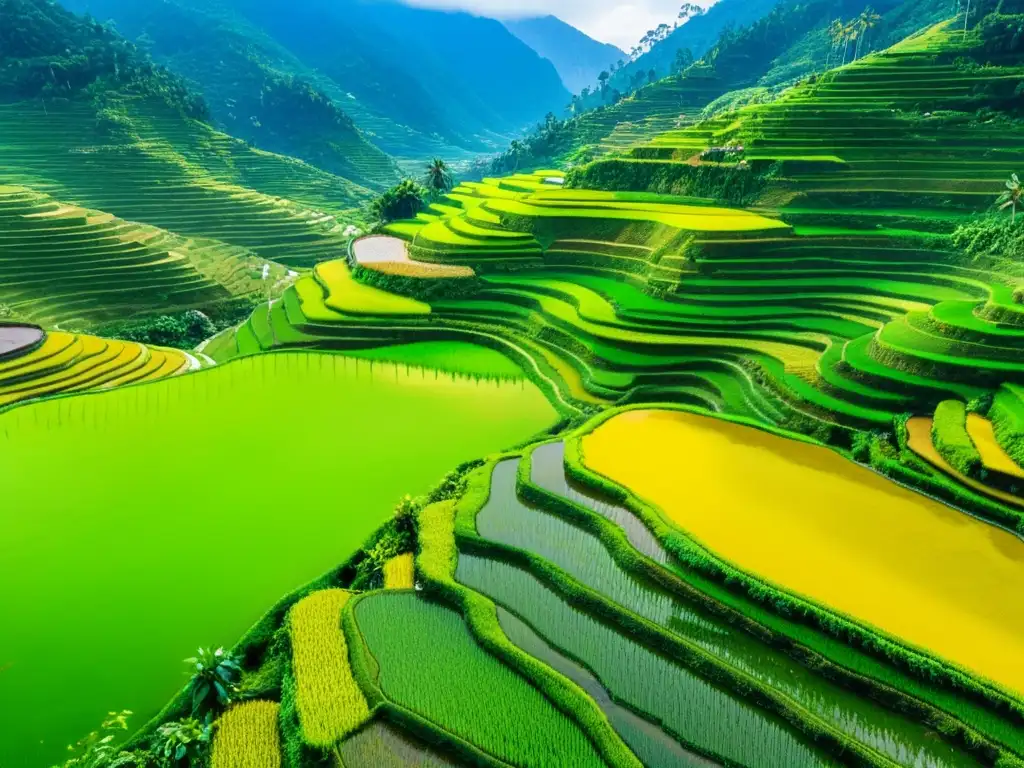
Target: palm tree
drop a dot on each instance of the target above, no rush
(850, 33)
(835, 37)
(868, 19)
(438, 177)
(1012, 197)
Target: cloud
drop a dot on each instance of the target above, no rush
(622, 22)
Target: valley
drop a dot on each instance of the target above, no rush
(673, 420)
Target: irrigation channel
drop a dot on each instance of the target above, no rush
(143, 522)
(688, 708)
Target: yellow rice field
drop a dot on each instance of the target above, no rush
(248, 736)
(809, 521)
(346, 294)
(992, 454)
(399, 572)
(329, 701)
(920, 442)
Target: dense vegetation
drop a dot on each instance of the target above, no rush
(47, 52)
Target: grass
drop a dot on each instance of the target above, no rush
(328, 699)
(345, 425)
(248, 736)
(810, 522)
(399, 572)
(430, 664)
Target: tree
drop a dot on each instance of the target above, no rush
(849, 34)
(967, 14)
(835, 32)
(690, 11)
(215, 679)
(401, 202)
(652, 76)
(684, 59)
(1012, 197)
(867, 20)
(438, 177)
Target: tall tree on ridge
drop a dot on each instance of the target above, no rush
(835, 36)
(1012, 197)
(438, 177)
(867, 20)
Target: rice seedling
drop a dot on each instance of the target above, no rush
(328, 698)
(399, 572)
(430, 663)
(876, 552)
(381, 745)
(692, 709)
(247, 736)
(584, 556)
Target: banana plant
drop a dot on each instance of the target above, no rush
(215, 679)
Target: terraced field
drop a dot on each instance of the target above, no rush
(141, 162)
(61, 264)
(57, 363)
(741, 480)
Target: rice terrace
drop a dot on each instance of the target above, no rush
(409, 384)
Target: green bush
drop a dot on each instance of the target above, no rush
(182, 331)
(1007, 415)
(995, 236)
(403, 201)
(729, 184)
(949, 434)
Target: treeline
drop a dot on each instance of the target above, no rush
(49, 52)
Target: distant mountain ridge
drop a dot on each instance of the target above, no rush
(399, 72)
(578, 58)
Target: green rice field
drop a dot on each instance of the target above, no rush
(177, 489)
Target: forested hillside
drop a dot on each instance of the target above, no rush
(790, 40)
(398, 72)
(578, 58)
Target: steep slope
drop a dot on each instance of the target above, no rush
(698, 35)
(578, 58)
(398, 72)
(255, 88)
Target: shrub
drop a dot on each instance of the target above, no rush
(182, 742)
(183, 331)
(994, 236)
(215, 680)
(400, 202)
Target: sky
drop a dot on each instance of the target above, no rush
(622, 22)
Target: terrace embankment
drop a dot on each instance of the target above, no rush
(807, 520)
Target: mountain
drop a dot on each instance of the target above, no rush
(698, 35)
(254, 88)
(578, 58)
(401, 74)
